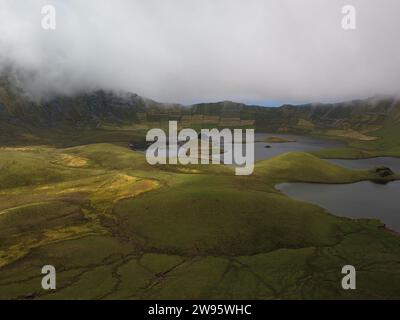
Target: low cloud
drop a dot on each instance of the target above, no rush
(206, 50)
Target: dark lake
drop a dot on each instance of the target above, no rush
(356, 200)
(302, 143)
(392, 163)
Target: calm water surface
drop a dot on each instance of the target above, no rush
(355, 200)
(392, 163)
(302, 143)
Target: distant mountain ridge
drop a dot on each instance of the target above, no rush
(96, 108)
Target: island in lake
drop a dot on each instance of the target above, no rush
(275, 139)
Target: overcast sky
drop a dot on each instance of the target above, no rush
(188, 51)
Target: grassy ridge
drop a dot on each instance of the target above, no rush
(304, 167)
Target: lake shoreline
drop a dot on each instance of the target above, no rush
(294, 190)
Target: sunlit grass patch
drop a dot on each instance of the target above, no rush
(121, 186)
(72, 161)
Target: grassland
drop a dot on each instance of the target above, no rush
(385, 144)
(115, 227)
